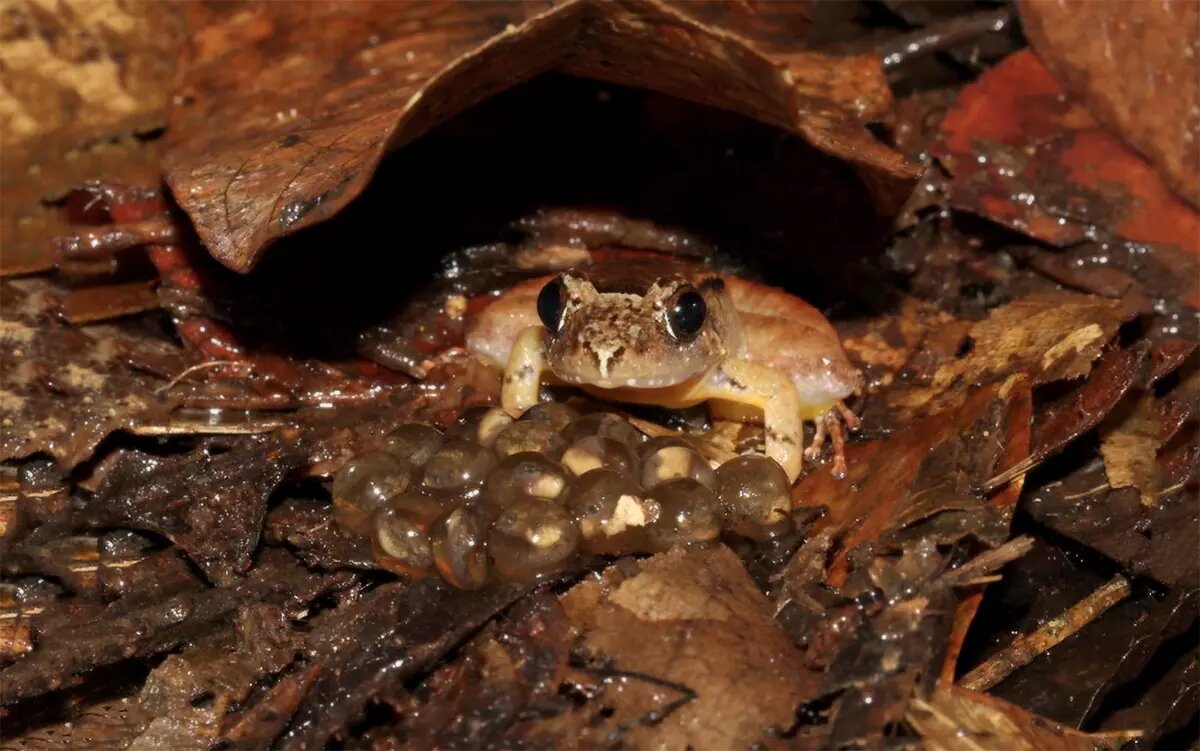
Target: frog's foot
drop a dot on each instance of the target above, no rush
(521, 387)
(831, 424)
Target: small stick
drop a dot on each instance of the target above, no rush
(200, 427)
(1024, 648)
(196, 368)
(987, 561)
(942, 36)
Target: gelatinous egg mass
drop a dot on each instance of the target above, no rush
(364, 484)
(497, 499)
(413, 443)
(459, 463)
(532, 537)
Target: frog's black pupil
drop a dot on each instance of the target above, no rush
(550, 304)
(687, 315)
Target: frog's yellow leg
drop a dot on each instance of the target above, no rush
(522, 383)
(771, 391)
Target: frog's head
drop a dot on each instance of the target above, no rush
(634, 324)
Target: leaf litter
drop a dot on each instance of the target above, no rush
(1030, 390)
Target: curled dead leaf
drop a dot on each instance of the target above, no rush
(253, 159)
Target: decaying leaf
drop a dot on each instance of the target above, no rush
(210, 502)
(63, 389)
(932, 466)
(1134, 64)
(702, 626)
(1129, 441)
(1024, 155)
(123, 631)
(954, 719)
(1048, 336)
(252, 159)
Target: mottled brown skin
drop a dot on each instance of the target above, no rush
(759, 348)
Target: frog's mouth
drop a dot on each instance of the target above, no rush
(672, 396)
(616, 385)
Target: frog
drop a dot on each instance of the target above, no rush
(675, 333)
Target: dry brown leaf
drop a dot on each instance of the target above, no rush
(335, 87)
(955, 719)
(1047, 336)
(687, 627)
(1135, 65)
(1129, 442)
(1051, 337)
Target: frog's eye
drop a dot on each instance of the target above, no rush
(550, 303)
(685, 314)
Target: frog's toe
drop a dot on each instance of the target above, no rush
(832, 426)
(836, 432)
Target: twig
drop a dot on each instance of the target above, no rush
(942, 36)
(1024, 648)
(201, 427)
(1017, 470)
(200, 366)
(987, 561)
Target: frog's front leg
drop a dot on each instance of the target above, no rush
(775, 394)
(521, 388)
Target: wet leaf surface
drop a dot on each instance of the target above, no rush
(1024, 155)
(108, 637)
(396, 631)
(1148, 93)
(1070, 683)
(210, 502)
(68, 388)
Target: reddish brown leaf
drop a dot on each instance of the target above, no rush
(1024, 155)
(949, 453)
(1135, 65)
(335, 87)
(93, 304)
